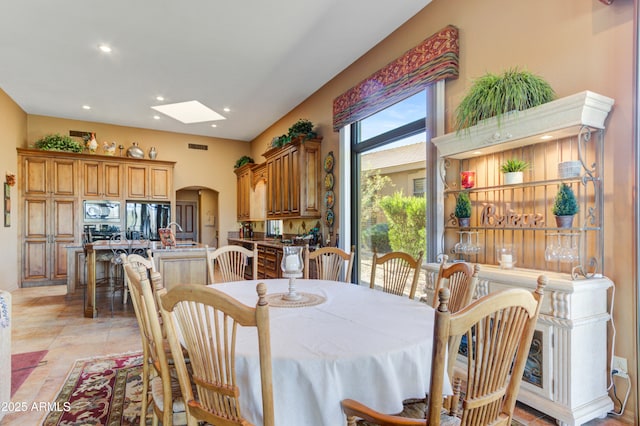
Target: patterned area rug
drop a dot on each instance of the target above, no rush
(414, 409)
(22, 365)
(108, 391)
(100, 391)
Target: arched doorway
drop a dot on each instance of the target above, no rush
(197, 214)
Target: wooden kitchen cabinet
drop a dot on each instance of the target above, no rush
(251, 192)
(149, 182)
(49, 205)
(102, 180)
(294, 180)
(269, 259)
(243, 192)
(44, 176)
(51, 190)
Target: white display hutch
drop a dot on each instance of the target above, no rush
(567, 371)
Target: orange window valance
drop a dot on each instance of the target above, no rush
(434, 59)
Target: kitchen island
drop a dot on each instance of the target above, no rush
(184, 263)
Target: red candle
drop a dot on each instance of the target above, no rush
(467, 179)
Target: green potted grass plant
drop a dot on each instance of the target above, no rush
(495, 95)
(565, 206)
(57, 142)
(513, 171)
(463, 209)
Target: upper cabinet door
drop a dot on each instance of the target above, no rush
(102, 179)
(46, 176)
(161, 183)
(137, 181)
(35, 176)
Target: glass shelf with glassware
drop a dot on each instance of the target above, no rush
(522, 214)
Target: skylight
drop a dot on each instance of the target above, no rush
(189, 112)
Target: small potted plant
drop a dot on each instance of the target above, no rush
(245, 159)
(512, 170)
(565, 206)
(463, 209)
(301, 129)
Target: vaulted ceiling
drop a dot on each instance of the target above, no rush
(258, 58)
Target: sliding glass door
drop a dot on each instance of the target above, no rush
(388, 183)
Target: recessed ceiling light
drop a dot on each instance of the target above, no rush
(477, 152)
(157, 117)
(104, 48)
(226, 109)
(189, 112)
(214, 125)
(86, 107)
(160, 98)
(545, 137)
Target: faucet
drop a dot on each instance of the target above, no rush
(176, 224)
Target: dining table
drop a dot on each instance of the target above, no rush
(345, 341)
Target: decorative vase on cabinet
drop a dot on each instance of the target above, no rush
(153, 153)
(134, 151)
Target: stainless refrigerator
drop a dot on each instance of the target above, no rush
(144, 219)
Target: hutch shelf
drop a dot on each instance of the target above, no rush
(567, 372)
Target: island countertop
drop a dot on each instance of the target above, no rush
(185, 263)
(155, 246)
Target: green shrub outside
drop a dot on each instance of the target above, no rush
(407, 221)
(377, 237)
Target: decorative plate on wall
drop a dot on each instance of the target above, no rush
(328, 181)
(328, 162)
(329, 218)
(329, 199)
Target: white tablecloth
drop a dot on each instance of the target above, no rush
(361, 343)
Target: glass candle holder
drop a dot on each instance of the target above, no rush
(467, 179)
(291, 265)
(506, 256)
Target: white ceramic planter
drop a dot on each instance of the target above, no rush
(513, 178)
(569, 169)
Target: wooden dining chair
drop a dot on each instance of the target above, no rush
(232, 261)
(499, 329)
(461, 278)
(158, 379)
(398, 268)
(208, 321)
(328, 263)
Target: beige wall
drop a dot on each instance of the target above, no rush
(194, 168)
(576, 45)
(13, 128)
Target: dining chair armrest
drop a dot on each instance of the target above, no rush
(355, 409)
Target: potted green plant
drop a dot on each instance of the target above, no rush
(302, 129)
(245, 159)
(463, 209)
(494, 95)
(565, 206)
(57, 142)
(512, 170)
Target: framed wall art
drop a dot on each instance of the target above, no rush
(7, 205)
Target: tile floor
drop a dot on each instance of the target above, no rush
(47, 318)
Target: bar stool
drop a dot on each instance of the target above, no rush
(119, 244)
